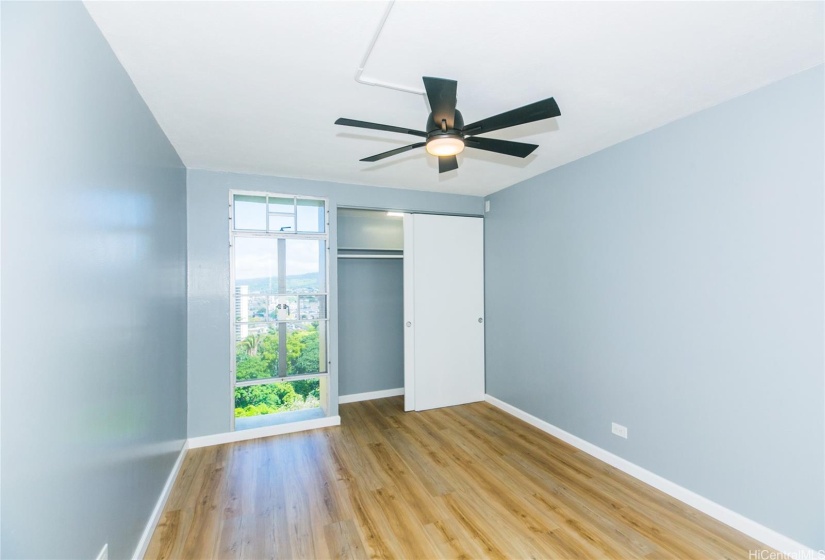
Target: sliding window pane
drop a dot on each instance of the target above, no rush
(312, 308)
(256, 351)
(241, 304)
(280, 396)
(311, 216)
(305, 266)
(249, 213)
(282, 205)
(281, 224)
(304, 343)
(255, 310)
(256, 266)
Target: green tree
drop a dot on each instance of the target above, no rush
(269, 352)
(276, 395)
(251, 343)
(249, 367)
(257, 358)
(303, 350)
(308, 388)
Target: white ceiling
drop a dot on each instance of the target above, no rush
(255, 87)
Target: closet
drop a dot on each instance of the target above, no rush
(410, 307)
(370, 302)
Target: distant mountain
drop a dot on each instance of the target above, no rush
(308, 282)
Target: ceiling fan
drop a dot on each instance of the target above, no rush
(447, 135)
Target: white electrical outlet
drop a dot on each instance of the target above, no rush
(486, 205)
(619, 430)
(104, 553)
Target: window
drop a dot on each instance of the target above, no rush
(280, 300)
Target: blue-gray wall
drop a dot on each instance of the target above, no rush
(674, 284)
(93, 292)
(369, 230)
(370, 325)
(210, 399)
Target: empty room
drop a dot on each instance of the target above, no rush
(412, 279)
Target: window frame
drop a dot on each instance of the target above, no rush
(316, 236)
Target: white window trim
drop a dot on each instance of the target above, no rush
(273, 235)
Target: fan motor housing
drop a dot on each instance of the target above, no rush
(434, 127)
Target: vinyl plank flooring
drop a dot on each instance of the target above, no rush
(462, 482)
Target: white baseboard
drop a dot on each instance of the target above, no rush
(143, 543)
(265, 431)
(739, 522)
(344, 399)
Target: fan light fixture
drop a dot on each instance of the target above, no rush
(445, 145)
(446, 135)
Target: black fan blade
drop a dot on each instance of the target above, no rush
(441, 94)
(447, 163)
(545, 109)
(383, 155)
(374, 126)
(518, 149)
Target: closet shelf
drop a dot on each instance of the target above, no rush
(369, 256)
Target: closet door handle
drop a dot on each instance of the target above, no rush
(409, 324)
(480, 320)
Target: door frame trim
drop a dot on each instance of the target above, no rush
(409, 314)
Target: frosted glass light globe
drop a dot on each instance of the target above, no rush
(445, 146)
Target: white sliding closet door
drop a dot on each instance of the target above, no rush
(443, 311)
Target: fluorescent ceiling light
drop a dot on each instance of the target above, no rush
(396, 214)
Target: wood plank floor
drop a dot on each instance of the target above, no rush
(462, 482)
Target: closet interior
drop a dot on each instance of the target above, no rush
(370, 301)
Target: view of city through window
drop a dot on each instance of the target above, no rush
(280, 302)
